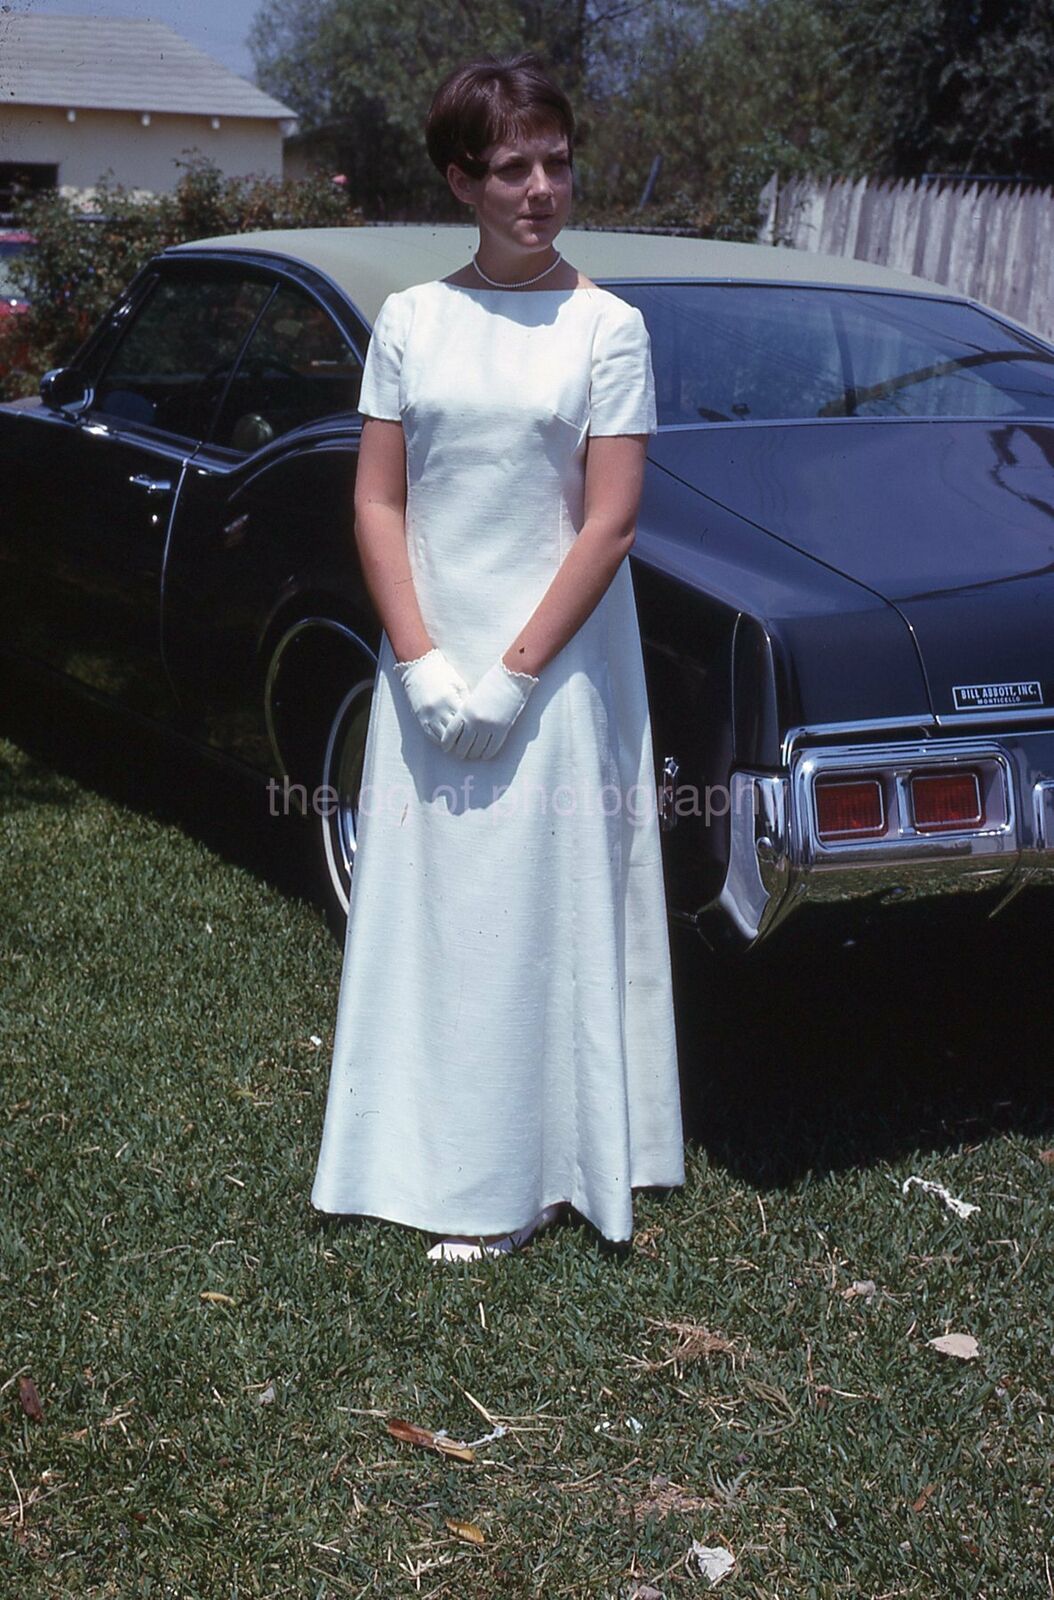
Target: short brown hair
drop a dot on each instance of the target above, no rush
(487, 101)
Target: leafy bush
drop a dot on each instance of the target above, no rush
(82, 259)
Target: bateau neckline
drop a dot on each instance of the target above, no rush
(486, 289)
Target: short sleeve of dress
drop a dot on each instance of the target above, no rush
(379, 393)
(622, 384)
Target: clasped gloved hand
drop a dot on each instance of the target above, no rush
(435, 690)
(480, 726)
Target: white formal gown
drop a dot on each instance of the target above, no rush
(505, 1035)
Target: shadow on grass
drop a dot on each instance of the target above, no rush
(808, 1055)
(932, 1029)
(132, 764)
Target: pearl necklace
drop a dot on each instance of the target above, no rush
(523, 283)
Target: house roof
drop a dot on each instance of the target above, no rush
(370, 262)
(114, 64)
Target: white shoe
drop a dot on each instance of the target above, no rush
(466, 1250)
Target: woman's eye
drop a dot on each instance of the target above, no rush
(515, 171)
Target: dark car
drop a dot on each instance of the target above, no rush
(844, 565)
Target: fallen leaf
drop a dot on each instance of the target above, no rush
(266, 1396)
(920, 1503)
(663, 1498)
(693, 1343)
(27, 1393)
(644, 1244)
(963, 1345)
(214, 1298)
(709, 1561)
(410, 1433)
(460, 1452)
(645, 1591)
(1047, 1157)
(465, 1530)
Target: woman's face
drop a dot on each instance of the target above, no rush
(524, 198)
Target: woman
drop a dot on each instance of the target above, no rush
(505, 1039)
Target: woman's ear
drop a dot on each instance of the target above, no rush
(461, 184)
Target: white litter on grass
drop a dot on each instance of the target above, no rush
(472, 1444)
(962, 1345)
(962, 1208)
(708, 1561)
(861, 1289)
(605, 1425)
(316, 1041)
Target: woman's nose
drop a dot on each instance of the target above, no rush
(540, 182)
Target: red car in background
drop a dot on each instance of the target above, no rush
(12, 243)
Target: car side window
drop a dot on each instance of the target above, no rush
(732, 354)
(169, 368)
(297, 368)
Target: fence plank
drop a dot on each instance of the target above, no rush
(994, 242)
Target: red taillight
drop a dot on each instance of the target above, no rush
(849, 809)
(942, 801)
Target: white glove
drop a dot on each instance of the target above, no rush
(480, 726)
(434, 689)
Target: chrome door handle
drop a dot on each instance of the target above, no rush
(151, 485)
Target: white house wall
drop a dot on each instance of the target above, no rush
(140, 158)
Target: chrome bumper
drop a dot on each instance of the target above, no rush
(777, 861)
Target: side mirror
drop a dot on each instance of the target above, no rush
(65, 389)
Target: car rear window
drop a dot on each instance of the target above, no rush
(756, 352)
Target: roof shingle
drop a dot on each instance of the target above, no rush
(115, 64)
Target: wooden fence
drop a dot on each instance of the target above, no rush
(992, 241)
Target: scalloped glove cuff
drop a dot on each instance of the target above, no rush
(435, 690)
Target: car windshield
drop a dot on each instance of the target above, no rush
(756, 352)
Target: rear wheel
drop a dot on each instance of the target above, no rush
(336, 821)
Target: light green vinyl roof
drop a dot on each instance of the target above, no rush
(371, 263)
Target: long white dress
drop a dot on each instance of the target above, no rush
(505, 1034)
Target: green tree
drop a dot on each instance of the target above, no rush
(361, 76)
(724, 93)
(954, 85)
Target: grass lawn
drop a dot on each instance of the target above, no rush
(166, 1023)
